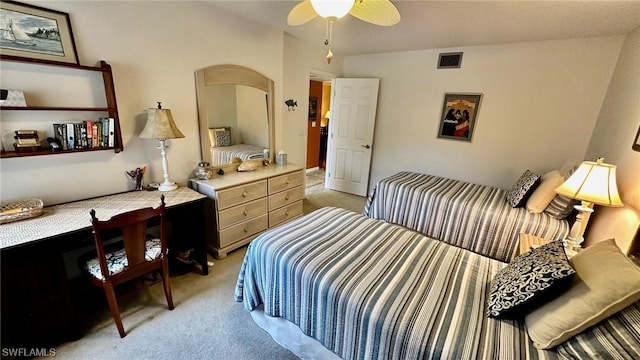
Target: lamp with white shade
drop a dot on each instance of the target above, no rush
(160, 126)
(593, 183)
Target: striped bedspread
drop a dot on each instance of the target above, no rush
(367, 289)
(471, 216)
(223, 155)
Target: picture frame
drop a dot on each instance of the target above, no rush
(459, 116)
(636, 143)
(313, 107)
(33, 32)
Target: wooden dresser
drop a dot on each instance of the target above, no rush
(247, 203)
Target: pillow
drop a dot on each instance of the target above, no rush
(220, 137)
(545, 192)
(522, 189)
(561, 206)
(534, 276)
(606, 282)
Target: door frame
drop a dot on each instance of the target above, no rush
(316, 75)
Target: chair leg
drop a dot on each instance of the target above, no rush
(166, 283)
(113, 306)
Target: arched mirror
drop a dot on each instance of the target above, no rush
(235, 114)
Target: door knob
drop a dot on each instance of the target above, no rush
(366, 146)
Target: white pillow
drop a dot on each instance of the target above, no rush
(606, 282)
(545, 192)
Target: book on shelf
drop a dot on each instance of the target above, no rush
(71, 132)
(105, 131)
(87, 134)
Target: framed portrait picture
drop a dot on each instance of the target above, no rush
(459, 114)
(29, 31)
(313, 107)
(636, 143)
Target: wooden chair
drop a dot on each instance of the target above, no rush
(139, 256)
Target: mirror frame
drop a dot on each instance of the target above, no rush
(232, 75)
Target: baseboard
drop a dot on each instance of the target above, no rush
(312, 169)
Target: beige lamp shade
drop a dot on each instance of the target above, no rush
(160, 125)
(593, 182)
(328, 114)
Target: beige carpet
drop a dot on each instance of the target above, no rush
(206, 323)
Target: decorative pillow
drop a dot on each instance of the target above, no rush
(545, 192)
(561, 206)
(534, 276)
(607, 281)
(220, 137)
(522, 189)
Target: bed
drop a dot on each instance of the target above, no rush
(466, 215)
(368, 289)
(225, 154)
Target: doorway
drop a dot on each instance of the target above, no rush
(317, 125)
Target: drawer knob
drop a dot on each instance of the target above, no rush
(286, 197)
(244, 194)
(288, 182)
(286, 213)
(245, 230)
(244, 213)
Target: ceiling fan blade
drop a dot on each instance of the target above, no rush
(301, 14)
(378, 12)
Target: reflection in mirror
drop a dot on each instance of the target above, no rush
(235, 110)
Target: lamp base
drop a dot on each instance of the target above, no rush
(169, 186)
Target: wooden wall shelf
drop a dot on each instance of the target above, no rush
(111, 109)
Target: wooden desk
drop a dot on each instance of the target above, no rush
(37, 302)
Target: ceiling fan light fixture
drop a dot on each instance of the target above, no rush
(332, 8)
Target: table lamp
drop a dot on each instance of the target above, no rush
(160, 126)
(592, 183)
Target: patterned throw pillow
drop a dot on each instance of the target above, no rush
(522, 189)
(539, 274)
(561, 206)
(222, 138)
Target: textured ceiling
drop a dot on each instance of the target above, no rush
(448, 24)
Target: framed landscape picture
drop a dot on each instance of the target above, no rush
(459, 114)
(29, 31)
(313, 107)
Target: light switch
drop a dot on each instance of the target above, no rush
(313, 124)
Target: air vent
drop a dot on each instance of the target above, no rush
(450, 60)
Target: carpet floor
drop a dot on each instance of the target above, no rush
(206, 323)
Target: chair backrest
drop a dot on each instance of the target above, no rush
(133, 227)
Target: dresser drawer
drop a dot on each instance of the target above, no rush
(284, 182)
(241, 213)
(237, 232)
(241, 194)
(285, 213)
(285, 197)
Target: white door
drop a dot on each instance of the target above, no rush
(353, 117)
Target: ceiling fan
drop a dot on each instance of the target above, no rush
(377, 12)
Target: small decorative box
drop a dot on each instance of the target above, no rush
(20, 210)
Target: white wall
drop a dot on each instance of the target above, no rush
(612, 138)
(299, 59)
(154, 49)
(540, 104)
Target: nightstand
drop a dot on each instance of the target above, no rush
(527, 241)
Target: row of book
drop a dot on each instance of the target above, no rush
(87, 134)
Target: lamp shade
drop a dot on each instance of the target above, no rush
(593, 182)
(160, 125)
(332, 8)
(328, 114)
